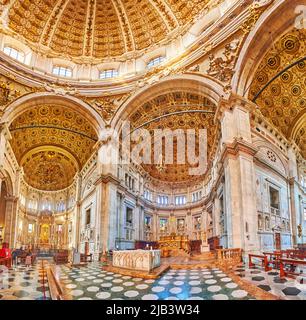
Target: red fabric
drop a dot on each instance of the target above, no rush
(5, 253)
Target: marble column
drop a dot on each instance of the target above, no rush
(77, 215)
(10, 220)
(189, 225)
(4, 137)
(294, 196)
(108, 213)
(240, 193)
(141, 223)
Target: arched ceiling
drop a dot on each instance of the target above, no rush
(51, 143)
(49, 170)
(99, 28)
(169, 103)
(283, 102)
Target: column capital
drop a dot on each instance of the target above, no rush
(11, 198)
(239, 145)
(106, 179)
(234, 101)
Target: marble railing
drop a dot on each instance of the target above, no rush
(229, 257)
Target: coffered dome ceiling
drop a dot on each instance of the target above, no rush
(99, 28)
(170, 103)
(51, 143)
(283, 102)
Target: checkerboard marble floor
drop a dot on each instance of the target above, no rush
(21, 283)
(289, 289)
(89, 283)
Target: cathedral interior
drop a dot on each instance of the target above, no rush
(80, 222)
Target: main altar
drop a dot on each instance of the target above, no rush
(138, 260)
(173, 242)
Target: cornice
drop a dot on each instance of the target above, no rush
(237, 147)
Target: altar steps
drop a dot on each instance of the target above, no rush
(204, 256)
(180, 253)
(154, 274)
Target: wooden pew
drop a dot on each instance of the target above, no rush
(274, 258)
(263, 258)
(86, 258)
(55, 289)
(293, 263)
(295, 254)
(61, 257)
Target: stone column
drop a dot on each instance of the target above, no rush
(108, 213)
(141, 235)
(237, 160)
(10, 220)
(294, 196)
(155, 222)
(189, 224)
(77, 216)
(5, 136)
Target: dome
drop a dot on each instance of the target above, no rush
(99, 29)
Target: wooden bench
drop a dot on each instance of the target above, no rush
(61, 257)
(274, 258)
(55, 289)
(296, 254)
(264, 261)
(293, 263)
(86, 258)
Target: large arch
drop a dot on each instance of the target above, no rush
(280, 17)
(28, 101)
(202, 84)
(175, 93)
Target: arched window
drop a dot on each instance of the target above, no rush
(62, 71)
(180, 200)
(108, 74)
(156, 61)
(14, 54)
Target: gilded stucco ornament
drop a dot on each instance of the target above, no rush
(107, 106)
(255, 11)
(222, 67)
(60, 90)
(7, 93)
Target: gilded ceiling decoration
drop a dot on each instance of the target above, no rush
(49, 170)
(10, 90)
(283, 102)
(173, 102)
(99, 28)
(106, 106)
(53, 128)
